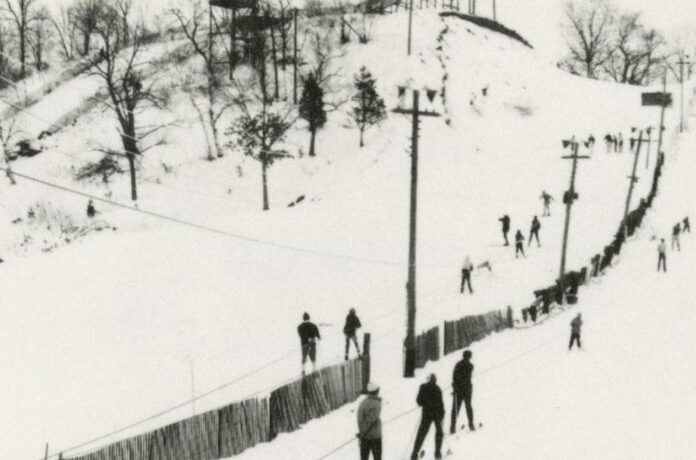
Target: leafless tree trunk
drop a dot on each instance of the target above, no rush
(8, 133)
(86, 15)
(65, 29)
(22, 15)
(124, 8)
(39, 37)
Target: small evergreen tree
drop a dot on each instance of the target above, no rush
(258, 133)
(312, 108)
(370, 108)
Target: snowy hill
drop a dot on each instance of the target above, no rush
(104, 331)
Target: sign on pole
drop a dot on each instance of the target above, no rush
(658, 99)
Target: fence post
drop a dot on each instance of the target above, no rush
(366, 361)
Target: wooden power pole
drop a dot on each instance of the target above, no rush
(568, 198)
(410, 26)
(495, 12)
(294, 60)
(682, 62)
(410, 342)
(664, 104)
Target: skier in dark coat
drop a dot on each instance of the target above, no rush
(662, 256)
(534, 231)
(462, 391)
(91, 210)
(349, 330)
(676, 231)
(309, 334)
(620, 143)
(430, 399)
(608, 141)
(467, 268)
(519, 244)
(575, 330)
(686, 227)
(505, 220)
(547, 203)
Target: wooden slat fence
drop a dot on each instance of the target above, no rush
(232, 429)
(463, 332)
(427, 347)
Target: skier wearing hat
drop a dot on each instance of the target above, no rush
(430, 399)
(370, 424)
(462, 390)
(575, 329)
(350, 329)
(309, 334)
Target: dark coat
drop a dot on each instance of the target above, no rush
(461, 377)
(430, 399)
(308, 332)
(536, 225)
(352, 324)
(506, 223)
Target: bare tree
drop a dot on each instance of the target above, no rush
(39, 37)
(8, 134)
(635, 51)
(128, 94)
(124, 8)
(22, 14)
(4, 60)
(65, 30)
(262, 125)
(86, 15)
(588, 27)
(192, 25)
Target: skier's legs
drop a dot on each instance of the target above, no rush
(420, 437)
(469, 409)
(507, 243)
(347, 345)
(354, 338)
(377, 449)
(536, 235)
(365, 447)
(439, 436)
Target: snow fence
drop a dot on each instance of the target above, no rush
(230, 430)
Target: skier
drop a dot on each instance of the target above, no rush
(547, 202)
(686, 227)
(505, 220)
(430, 399)
(466, 275)
(591, 144)
(309, 334)
(462, 390)
(370, 424)
(620, 143)
(91, 211)
(608, 142)
(349, 330)
(534, 231)
(662, 256)
(575, 329)
(675, 237)
(519, 244)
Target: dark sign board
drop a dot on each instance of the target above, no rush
(657, 99)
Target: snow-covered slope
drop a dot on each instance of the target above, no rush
(104, 331)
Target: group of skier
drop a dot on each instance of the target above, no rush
(534, 229)
(684, 226)
(431, 402)
(614, 143)
(310, 335)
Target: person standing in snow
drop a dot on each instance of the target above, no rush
(505, 220)
(620, 143)
(91, 210)
(349, 330)
(534, 231)
(547, 203)
(686, 227)
(462, 391)
(519, 244)
(662, 256)
(575, 330)
(608, 142)
(309, 334)
(466, 275)
(370, 424)
(676, 231)
(430, 399)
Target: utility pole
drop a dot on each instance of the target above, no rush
(647, 157)
(568, 198)
(294, 60)
(633, 179)
(662, 115)
(410, 26)
(495, 15)
(682, 62)
(410, 342)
